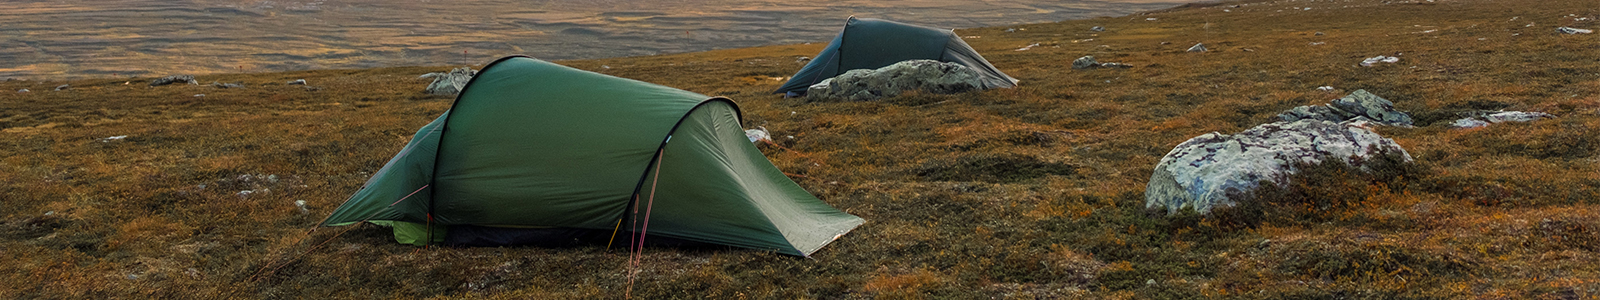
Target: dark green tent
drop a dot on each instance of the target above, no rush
(874, 43)
(533, 151)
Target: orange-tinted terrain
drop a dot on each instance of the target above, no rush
(124, 191)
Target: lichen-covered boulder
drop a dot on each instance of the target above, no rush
(1213, 170)
(1358, 106)
(449, 83)
(924, 75)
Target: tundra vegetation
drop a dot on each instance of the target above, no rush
(1031, 192)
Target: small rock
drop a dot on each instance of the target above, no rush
(1150, 282)
(110, 139)
(1469, 123)
(1318, 33)
(227, 85)
(199, 95)
(1085, 62)
(1088, 62)
(1377, 59)
(449, 83)
(1517, 116)
(296, 82)
(1318, 43)
(1484, 118)
(1115, 65)
(63, 87)
(174, 79)
(1570, 30)
(1325, 88)
(1097, 29)
(302, 205)
(802, 59)
(1197, 48)
(1011, 30)
(23, 91)
(758, 134)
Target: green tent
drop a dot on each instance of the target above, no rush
(874, 43)
(533, 151)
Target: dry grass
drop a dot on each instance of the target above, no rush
(1033, 192)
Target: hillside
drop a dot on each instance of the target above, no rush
(67, 39)
(1032, 192)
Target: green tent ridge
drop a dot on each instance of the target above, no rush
(532, 144)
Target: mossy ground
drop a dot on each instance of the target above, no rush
(1032, 192)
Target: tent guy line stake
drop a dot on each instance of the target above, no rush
(258, 274)
(649, 204)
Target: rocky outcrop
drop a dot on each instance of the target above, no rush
(912, 75)
(1484, 118)
(174, 79)
(449, 83)
(1214, 170)
(1358, 106)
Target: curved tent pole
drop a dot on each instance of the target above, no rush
(446, 126)
(633, 202)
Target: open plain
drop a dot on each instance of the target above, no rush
(114, 189)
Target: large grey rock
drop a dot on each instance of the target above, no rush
(1484, 118)
(174, 79)
(924, 75)
(449, 83)
(1359, 105)
(1213, 170)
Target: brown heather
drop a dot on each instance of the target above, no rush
(1033, 192)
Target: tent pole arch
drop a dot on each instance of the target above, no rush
(633, 198)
